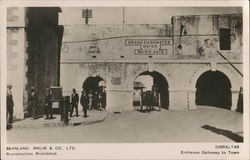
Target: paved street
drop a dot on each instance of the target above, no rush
(206, 124)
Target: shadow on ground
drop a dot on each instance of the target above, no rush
(226, 133)
(144, 109)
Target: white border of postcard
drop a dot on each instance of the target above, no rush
(129, 150)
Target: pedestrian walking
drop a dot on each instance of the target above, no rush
(33, 101)
(85, 103)
(48, 104)
(10, 105)
(74, 102)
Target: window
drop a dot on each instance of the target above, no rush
(225, 41)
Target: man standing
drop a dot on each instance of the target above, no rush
(90, 96)
(33, 100)
(103, 99)
(95, 101)
(10, 105)
(48, 104)
(84, 102)
(74, 102)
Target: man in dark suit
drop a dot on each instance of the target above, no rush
(74, 102)
(33, 102)
(10, 104)
(85, 103)
(48, 104)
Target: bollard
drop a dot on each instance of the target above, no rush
(61, 106)
(66, 109)
(240, 101)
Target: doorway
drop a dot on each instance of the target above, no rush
(95, 86)
(213, 89)
(152, 81)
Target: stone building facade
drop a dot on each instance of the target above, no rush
(16, 56)
(182, 58)
(33, 47)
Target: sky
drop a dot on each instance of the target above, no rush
(137, 15)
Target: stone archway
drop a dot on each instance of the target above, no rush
(95, 89)
(213, 89)
(159, 83)
(231, 76)
(135, 72)
(235, 85)
(139, 70)
(92, 83)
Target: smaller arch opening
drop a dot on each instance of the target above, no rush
(213, 89)
(92, 83)
(151, 81)
(95, 89)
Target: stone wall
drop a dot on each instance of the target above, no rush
(16, 55)
(33, 53)
(110, 51)
(112, 41)
(181, 78)
(191, 32)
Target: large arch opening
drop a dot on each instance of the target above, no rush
(95, 86)
(213, 89)
(151, 80)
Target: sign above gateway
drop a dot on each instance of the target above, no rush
(149, 46)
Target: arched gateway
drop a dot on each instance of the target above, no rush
(158, 83)
(95, 88)
(92, 83)
(221, 86)
(213, 89)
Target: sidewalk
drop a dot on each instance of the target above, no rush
(94, 116)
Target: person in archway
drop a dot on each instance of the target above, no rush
(85, 103)
(33, 101)
(74, 102)
(90, 96)
(149, 100)
(10, 105)
(48, 104)
(103, 99)
(95, 100)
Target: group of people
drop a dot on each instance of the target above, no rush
(33, 103)
(88, 100)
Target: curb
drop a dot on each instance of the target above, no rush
(56, 124)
